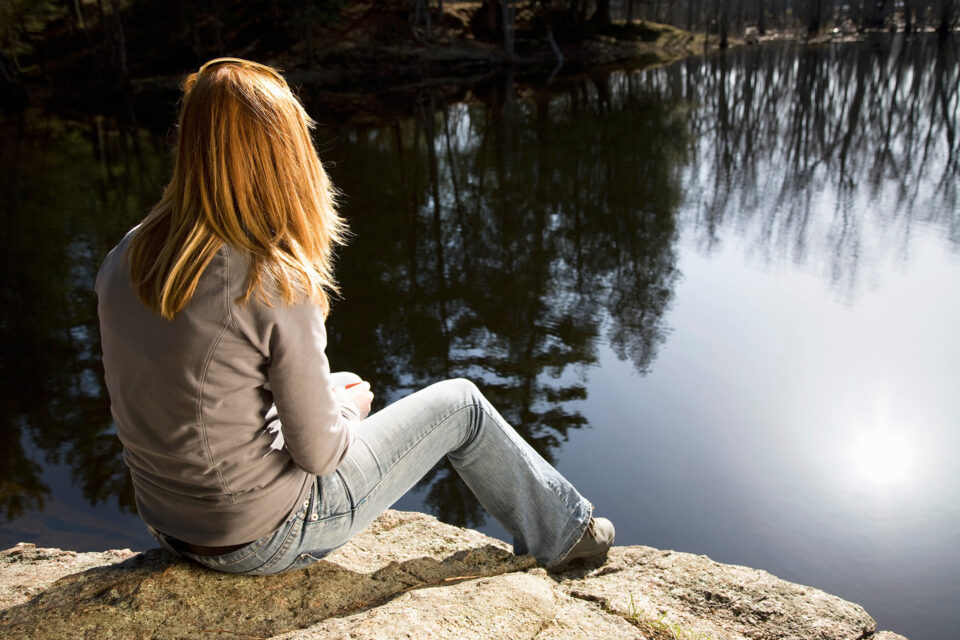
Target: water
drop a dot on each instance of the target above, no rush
(721, 296)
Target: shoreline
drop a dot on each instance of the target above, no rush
(364, 80)
(405, 67)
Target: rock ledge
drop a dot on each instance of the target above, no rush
(409, 576)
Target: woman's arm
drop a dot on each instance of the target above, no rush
(318, 423)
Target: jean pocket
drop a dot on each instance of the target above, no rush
(252, 558)
(335, 498)
(279, 549)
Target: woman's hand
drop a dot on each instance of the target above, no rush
(360, 394)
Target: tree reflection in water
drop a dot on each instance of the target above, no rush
(498, 239)
(503, 236)
(67, 193)
(802, 150)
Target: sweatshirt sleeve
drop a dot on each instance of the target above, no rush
(318, 425)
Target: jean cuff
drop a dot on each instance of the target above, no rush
(580, 532)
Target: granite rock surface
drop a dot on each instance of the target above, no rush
(409, 576)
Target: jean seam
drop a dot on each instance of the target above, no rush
(346, 489)
(531, 463)
(373, 455)
(579, 533)
(279, 553)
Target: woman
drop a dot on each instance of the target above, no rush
(212, 325)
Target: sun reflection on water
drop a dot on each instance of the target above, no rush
(883, 458)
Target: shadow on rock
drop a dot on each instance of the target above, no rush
(157, 595)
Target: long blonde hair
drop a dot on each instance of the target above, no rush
(246, 174)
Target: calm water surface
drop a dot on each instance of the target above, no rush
(721, 296)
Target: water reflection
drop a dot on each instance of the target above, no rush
(501, 235)
(882, 448)
(66, 193)
(506, 236)
(830, 155)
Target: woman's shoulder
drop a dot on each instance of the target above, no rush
(121, 246)
(113, 260)
(237, 263)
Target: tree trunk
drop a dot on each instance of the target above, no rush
(507, 11)
(128, 117)
(671, 17)
(80, 20)
(426, 17)
(946, 19)
(120, 40)
(813, 25)
(601, 17)
(554, 47)
(724, 26)
(415, 19)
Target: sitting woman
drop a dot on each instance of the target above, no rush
(212, 317)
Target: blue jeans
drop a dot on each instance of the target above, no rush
(395, 447)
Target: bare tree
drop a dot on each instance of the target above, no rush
(724, 17)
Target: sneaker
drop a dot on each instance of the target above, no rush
(596, 541)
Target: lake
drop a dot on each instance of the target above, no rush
(720, 295)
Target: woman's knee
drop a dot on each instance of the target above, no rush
(455, 392)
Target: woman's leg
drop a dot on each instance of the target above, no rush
(398, 445)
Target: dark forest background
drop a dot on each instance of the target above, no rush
(108, 42)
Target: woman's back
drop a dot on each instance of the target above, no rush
(189, 402)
